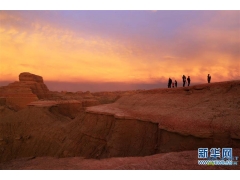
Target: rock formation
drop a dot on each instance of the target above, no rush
(69, 108)
(29, 88)
(147, 123)
(16, 96)
(203, 111)
(35, 83)
(185, 160)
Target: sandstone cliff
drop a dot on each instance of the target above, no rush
(146, 123)
(35, 83)
(29, 88)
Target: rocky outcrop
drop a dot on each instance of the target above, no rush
(35, 83)
(16, 96)
(90, 102)
(146, 123)
(204, 111)
(2, 101)
(29, 88)
(185, 160)
(69, 108)
(103, 136)
(25, 77)
(37, 131)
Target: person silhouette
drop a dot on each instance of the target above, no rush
(208, 78)
(169, 83)
(184, 80)
(188, 79)
(175, 83)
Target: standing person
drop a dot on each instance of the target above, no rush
(169, 83)
(208, 78)
(172, 84)
(175, 83)
(184, 80)
(188, 80)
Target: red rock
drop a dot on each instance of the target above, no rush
(26, 76)
(43, 103)
(203, 111)
(68, 108)
(29, 88)
(2, 101)
(35, 83)
(16, 96)
(185, 160)
(90, 102)
(140, 124)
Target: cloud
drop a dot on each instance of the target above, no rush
(44, 49)
(118, 46)
(28, 66)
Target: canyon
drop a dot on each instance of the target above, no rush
(142, 129)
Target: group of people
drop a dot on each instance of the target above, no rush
(172, 84)
(184, 80)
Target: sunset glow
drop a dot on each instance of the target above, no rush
(120, 46)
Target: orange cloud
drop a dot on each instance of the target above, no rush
(61, 54)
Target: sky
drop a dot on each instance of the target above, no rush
(119, 50)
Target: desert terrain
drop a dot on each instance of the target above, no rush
(142, 129)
